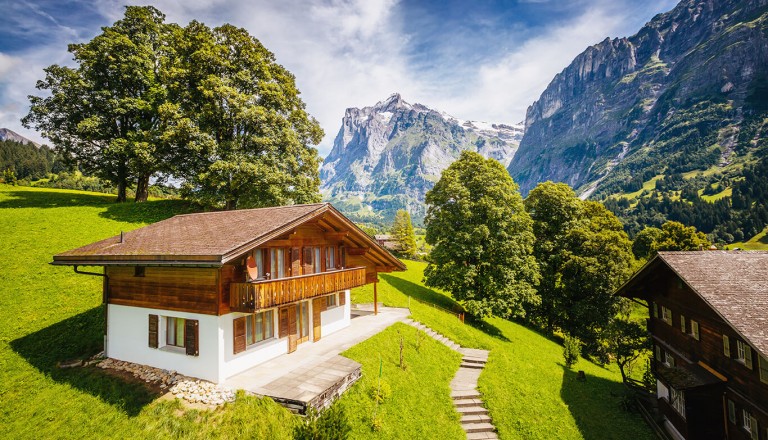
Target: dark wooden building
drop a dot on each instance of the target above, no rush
(708, 320)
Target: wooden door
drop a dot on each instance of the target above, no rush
(292, 329)
(317, 309)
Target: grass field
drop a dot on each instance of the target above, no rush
(49, 314)
(757, 243)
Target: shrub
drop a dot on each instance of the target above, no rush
(571, 350)
(332, 424)
(381, 391)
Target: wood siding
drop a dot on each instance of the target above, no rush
(250, 297)
(185, 289)
(743, 385)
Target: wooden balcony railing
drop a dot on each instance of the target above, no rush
(250, 297)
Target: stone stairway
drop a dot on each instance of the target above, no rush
(467, 400)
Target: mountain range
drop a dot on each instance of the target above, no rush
(387, 156)
(10, 135)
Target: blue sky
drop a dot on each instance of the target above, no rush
(481, 60)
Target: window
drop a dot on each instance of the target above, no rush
(174, 331)
(259, 327)
(312, 260)
(682, 323)
(330, 258)
(666, 315)
(695, 329)
(677, 399)
(655, 310)
(763, 361)
(330, 301)
(749, 424)
(318, 259)
(744, 354)
(139, 271)
(731, 411)
(726, 346)
(277, 258)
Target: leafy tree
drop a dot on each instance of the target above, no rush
(626, 343)
(646, 243)
(554, 209)
(250, 109)
(402, 230)
(673, 236)
(598, 260)
(110, 115)
(481, 237)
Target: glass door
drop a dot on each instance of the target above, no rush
(302, 321)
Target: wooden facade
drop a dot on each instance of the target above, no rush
(706, 389)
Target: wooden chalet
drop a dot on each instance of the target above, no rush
(212, 294)
(708, 320)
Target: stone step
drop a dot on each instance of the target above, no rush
(475, 418)
(465, 394)
(471, 365)
(473, 359)
(478, 427)
(471, 410)
(459, 403)
(481, 435)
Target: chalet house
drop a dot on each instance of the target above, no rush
(708, 319)
(213, 294)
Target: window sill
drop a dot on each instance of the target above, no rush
(173, 349)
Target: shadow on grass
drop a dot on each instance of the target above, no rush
(80, 337)
(429, 296)
(591, 400)
(131, 212)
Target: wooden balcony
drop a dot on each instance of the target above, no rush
(250, 297)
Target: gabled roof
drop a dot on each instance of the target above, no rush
(213, 238)
(733, 283)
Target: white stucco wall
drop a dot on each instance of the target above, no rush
(336, 318)
(128, 340)
(254, 355)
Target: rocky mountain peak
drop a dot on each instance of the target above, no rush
(10, 135)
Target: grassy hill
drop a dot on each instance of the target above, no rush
(49, 314)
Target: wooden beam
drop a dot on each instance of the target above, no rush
(336, 236)
(357, 251)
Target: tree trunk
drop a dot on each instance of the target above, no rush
(142, 188)
(621, 370)
(231, 205)
(122, 182)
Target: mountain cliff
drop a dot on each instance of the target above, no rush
(687, 92)
(387, 156)
(10, 135)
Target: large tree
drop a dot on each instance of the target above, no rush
(402, 230)
(673, 236)
(250, 109)
(109, 114)
(481, 237)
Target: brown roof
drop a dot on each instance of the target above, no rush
(209, 238)
(733, 283)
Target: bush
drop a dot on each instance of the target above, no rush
(381, 392)
(332, 424)
(571, 350)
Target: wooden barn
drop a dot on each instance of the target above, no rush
(708, 320)
(213, 294)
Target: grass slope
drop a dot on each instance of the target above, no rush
(420, 405)
(529, 392)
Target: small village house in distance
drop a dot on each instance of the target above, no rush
(709, 327)
(213, 294)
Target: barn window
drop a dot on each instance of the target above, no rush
(666, 315)
(695, 330)
(744, 353)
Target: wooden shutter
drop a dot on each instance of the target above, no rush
(239, 334)
(307, 262)
(342, 298)
(153, 330)
(747, 356)
(191, 336)
(318, 305)
(726, 346)
(293, 335)
(283, 330)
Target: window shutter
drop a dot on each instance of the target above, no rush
(747, 356)
(655, 309)
(191, 336)
(682, 323)
(283, 321)
(342, 298)
(726, 346)
(658, 353)
(239, 334)
(753, 428)
(153, 330)
(670, 360)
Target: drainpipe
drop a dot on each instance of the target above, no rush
(104, 296)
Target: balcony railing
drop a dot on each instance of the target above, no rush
(250, 297)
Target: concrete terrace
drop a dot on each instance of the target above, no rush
(315, 373)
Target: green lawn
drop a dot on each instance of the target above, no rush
(757, 243)
(529, 392)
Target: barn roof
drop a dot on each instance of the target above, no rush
(213, 238)
(733, 283)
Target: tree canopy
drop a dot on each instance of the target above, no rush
(673, 236)
(482, 238)
(402, 231)
(210, 106)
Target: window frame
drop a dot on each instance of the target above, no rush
(744, 353)
(731, 411)
(251, 327)
(763, 368)
(666, 315)
(677, 401)
(726, 346)
(183, 324)
(683, 327)
(695, 330)
(331, 301)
